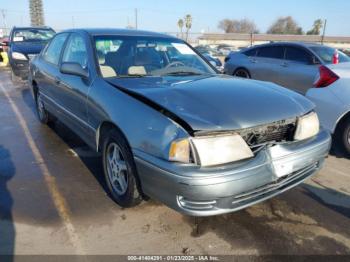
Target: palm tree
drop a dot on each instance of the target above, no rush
(188, 24)
(180, 24)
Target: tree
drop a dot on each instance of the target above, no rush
(316, 29)
(285, 26)
(243, 26)
(180, 24)
(188, 24)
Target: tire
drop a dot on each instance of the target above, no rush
(43, 115)
(242, 73)
(343, 135)
(120, 170)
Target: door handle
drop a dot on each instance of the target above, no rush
(284, 64)
(253, 61)
(57, 80)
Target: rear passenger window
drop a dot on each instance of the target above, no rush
(53, 51)
(276, 52)
(250, 52)
(297, 55)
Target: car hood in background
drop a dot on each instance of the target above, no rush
(28, 47)
(219, 103)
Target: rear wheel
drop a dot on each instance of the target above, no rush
(120, 170)
(242, 73)
(343, 135)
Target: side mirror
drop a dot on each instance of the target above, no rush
(76, 69)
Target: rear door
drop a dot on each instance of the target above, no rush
(265, 65)
(46, 71)
(298, 70)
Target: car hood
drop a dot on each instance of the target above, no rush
(28, 47)
(218, 103)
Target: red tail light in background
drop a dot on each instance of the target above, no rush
(335, 59)
(325, 77)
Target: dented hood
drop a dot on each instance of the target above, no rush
(218, 103)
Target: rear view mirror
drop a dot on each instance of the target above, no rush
(76, 69)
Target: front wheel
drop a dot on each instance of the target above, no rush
(120, 170)
(242, 73)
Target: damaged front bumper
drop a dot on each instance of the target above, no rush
(199, 191)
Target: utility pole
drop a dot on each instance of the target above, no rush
(324, 31)
(136, 26)
(73, 22)
(3, 14)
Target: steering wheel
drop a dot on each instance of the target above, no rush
(174, 64)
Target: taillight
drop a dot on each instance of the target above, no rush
(335, 59)
(325, 77)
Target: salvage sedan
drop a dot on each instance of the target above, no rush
(170, 128)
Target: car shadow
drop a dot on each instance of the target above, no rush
(299, 221)
(7, 228)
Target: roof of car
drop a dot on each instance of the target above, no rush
(31, 27)
(304, 44)
(120, 32)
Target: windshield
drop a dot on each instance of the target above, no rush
(326, 54)
(27, 35)
(134, 56)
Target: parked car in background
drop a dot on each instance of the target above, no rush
(215, 62)
(206, 49)
(24, 44)
(292, 65)
(225, 49)
(331, 95)
(169, 127)
(296, 66)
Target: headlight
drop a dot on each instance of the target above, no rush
(18, 56)
(211, 150)
(307, 126)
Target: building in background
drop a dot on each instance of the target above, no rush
(36, 12)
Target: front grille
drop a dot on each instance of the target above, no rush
(279, 131)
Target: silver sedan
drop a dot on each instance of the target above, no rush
(292, 65)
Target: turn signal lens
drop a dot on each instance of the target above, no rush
(180, 151)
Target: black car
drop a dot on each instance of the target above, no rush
(24, 44)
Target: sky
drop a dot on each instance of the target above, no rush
(162, 15)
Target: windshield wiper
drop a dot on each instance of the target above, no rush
(183, 73)
(131, 76)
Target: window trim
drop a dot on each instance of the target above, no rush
(42, 55)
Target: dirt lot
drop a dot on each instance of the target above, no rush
(53, 201)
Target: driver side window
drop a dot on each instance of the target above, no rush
(76, 51)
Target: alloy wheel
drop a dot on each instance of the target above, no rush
(117, 169)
